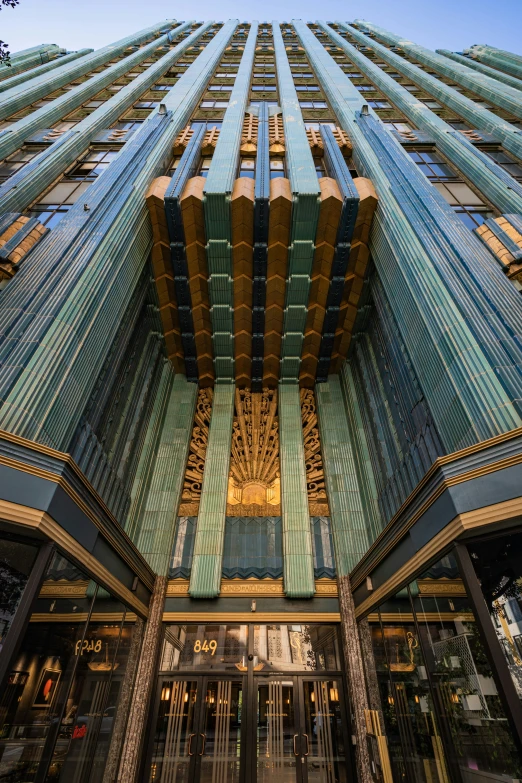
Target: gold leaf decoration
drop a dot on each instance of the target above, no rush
(254, 486)
(191, 494)
(317, 498)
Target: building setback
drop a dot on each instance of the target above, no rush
(261, 408)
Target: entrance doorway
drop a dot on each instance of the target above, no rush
(258, 725)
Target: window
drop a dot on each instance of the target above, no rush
(146, 105)
(53, 205)
(307, 87)
(214, 104)
(302, 75)
(161, 87)
(506, 162)
(264, 88)
(247, 168)
(431, 104)
(320, 167)
(18, 160)
(433, 166)
(220, 87)
(318, 125)
(225, 75)
(354, 75)
(379, 104)
(313, 104)
(463, 200)
(204, 167)
(458, 124)
(264, 76)
(267, 103)
(365, 87)
(277, 168)
(127, 125)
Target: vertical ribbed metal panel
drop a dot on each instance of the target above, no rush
(205, 578)
(144, 470)
(350, 523)
(31, 180)
(361, 453)
(18, 98)
(305, 213)
(498, 58)
(476, 115)
(297, 537)
(15, 81)
(158, 519)
(490, 178)
(81, 277)
(438, 279)
(484, 86)
(29, 58)
(14, 135)
(512, 81)
(218, 230)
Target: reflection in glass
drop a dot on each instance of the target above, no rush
(325, 761)
(414, 742)
(58, 702)
(297, 647)
(498, 565)
(480, 738)
(176, 732)
(276, 728)
(221, 732)
(204, 647)
(16, 562)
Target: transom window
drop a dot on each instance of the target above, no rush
(313, 104)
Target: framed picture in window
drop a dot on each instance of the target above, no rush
(47, 686)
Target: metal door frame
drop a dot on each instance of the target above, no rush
(201, 679)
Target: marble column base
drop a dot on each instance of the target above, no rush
(356, 680)
(143, 688)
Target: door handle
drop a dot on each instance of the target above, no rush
(189, 752)
(203, 746)
(307, 745)
(296, 752)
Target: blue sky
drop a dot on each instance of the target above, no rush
(449, 24)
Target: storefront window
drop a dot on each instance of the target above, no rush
(204, 647)
(16, 562)
(442, 714)
(58, 703)
(479, 735)
(498, 565)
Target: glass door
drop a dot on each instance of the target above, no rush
(300, 731)
(278, 733)
(323, 732)
(197, 736)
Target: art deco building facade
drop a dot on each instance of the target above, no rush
(261, 409)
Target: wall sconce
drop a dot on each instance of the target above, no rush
(253, 605)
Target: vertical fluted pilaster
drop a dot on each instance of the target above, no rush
(498, 58)
(476, 115)
(26, 184)
(499, 94)
(157, 523)
(81, 277)
(205, 577)
(471, 381)
(512, 81)
(297, 538)
(495, 183)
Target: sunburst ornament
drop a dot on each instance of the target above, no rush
(254, 484)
